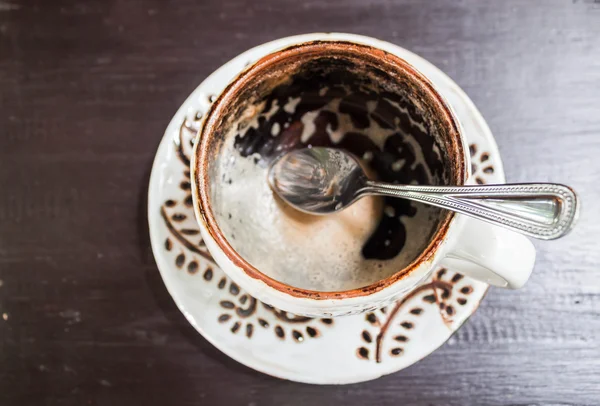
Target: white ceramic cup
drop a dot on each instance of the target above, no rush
(483, 251)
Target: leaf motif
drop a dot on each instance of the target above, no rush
(363, 353)
(227, 304)
(178, 217)
(180, 260)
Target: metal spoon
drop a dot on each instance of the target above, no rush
(326, 180)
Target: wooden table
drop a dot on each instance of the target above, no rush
(86, 90)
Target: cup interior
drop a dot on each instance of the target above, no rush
(341, 95)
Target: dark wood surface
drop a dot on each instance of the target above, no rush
(86, 90)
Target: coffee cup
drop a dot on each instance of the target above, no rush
(378, 107)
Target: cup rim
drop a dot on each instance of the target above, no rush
(200, 158)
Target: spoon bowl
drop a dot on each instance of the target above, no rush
(317, 180)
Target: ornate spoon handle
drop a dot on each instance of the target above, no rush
(540, 210)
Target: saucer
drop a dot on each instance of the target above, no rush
(318, 351)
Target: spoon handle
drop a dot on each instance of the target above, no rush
(540, 210)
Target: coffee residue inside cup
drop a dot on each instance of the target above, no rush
(385, 131)
(326, 102)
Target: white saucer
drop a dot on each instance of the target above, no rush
(320, 351)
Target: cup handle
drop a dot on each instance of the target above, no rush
(492, 254)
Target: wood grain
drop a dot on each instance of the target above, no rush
(86, 90)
